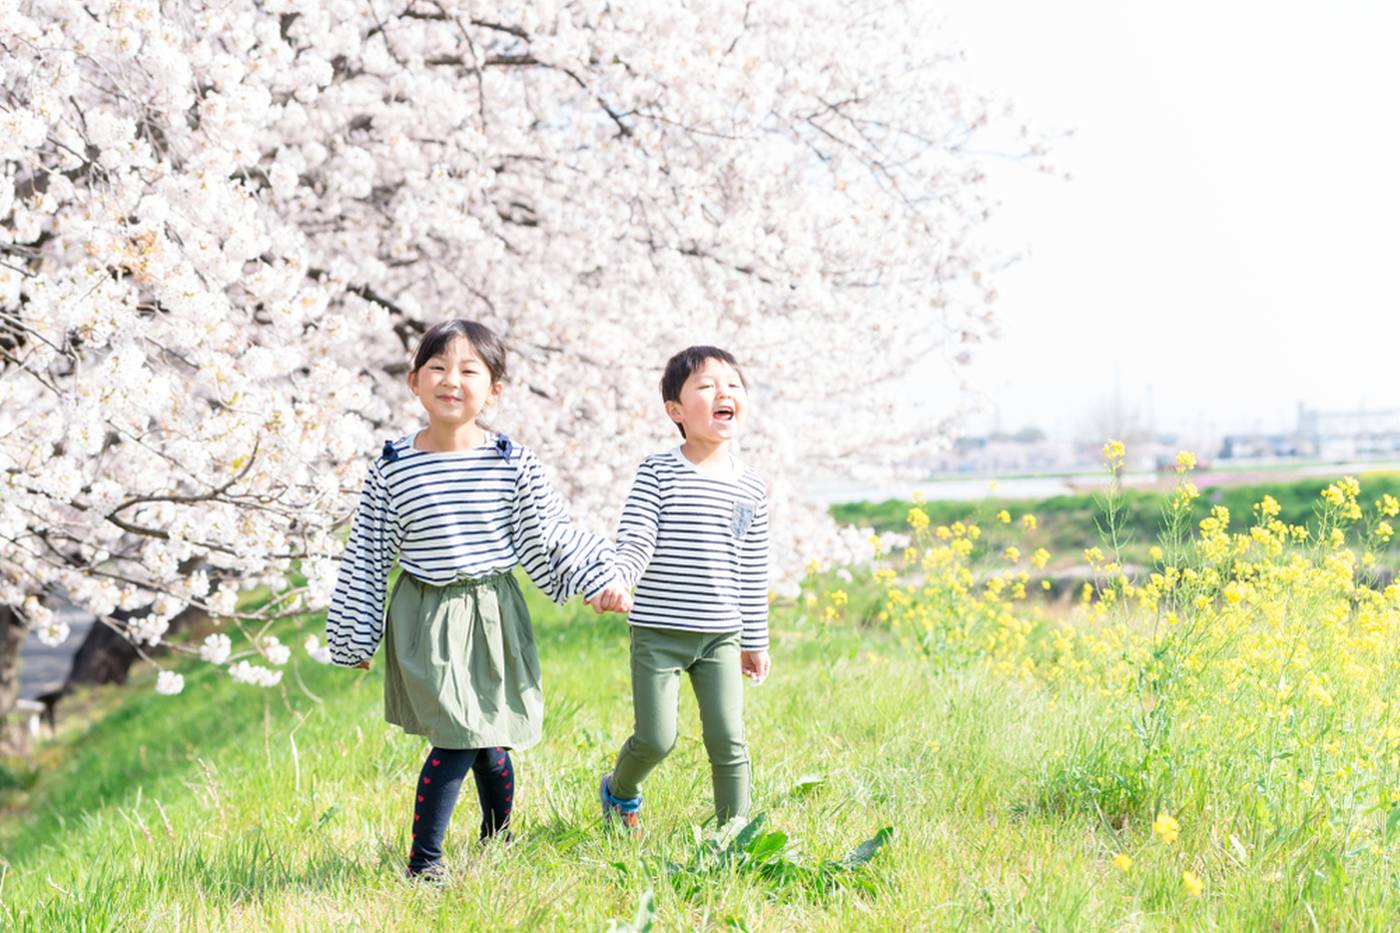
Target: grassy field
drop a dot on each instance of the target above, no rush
(235, 808)
(1216, 747)
(1068, 524)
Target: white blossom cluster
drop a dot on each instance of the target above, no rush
(222, 225)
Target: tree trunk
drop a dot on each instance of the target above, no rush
(12, 632)
(105, 657)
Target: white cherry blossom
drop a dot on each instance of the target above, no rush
(222, 228)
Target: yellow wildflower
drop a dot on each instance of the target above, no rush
(1193, 883)
(918, 519)
(1155, 552)
(1122, 861)
(1029, 521)
(1185, 460)
(1166, 826)
(1004, 517)
(1013, 554)
(1040, 558)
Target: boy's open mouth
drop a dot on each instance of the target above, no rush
(724, 413)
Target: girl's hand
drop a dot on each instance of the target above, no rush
(613, 598)
(755, 665)
(363, 665)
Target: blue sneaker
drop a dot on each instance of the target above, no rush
(627, 812)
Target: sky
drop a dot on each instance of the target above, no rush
(1227, 242)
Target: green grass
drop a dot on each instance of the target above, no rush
(232, 807)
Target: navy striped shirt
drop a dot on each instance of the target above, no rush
(695, 545)
(453, 514)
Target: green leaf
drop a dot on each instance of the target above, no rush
(745, 836)
(864, 852)
(767, 846)
(805, 784)
(1392, 822)
(325, 817)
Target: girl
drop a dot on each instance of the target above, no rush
(459, 507)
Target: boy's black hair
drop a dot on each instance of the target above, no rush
(680, 367)
(488, 346)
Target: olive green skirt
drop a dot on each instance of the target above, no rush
(460, 663)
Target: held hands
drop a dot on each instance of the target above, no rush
(614, 598)
(755, 665)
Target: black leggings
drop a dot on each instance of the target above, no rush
(436, 795)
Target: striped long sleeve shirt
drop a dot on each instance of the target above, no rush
(453, 514)
(695, 545)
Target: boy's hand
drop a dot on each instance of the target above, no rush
(363, 665)
(755, 664)
(613, 598)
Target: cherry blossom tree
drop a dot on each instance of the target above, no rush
(222, 225)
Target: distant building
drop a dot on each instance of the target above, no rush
(1324, 435)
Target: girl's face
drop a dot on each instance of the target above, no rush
(712, 403)
(456, 385)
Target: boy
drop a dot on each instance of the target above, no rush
(693, 539)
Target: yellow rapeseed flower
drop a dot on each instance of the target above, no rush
(1155, 552)
(1040, 558)
(1193, 883)
(1029, 521)
(1114, 452)
(1185, 460)
(1166, 826)
(1122, 861)
(1013, 554)
(1004, 517)
(918, 519)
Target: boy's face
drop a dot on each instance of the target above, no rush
(712, 403)
(455, 385)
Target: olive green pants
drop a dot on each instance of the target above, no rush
(659, 656)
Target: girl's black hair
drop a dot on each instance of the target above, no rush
(483, 339)
(680, 367)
